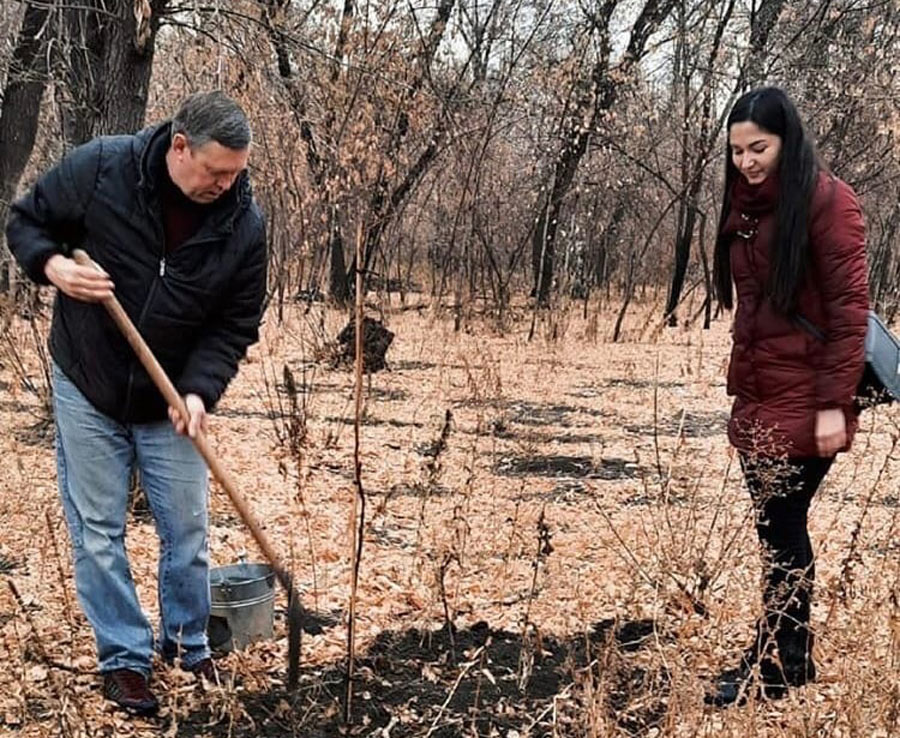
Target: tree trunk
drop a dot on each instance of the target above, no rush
(761, 25)
(601, 267)
(605, 87)
(108, 66)
(385, 201)
(543, 242)
(340, 286)
(694, 169)
(19, 115)
(321, 167)
(686, 220)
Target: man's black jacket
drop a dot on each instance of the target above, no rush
(198, 307)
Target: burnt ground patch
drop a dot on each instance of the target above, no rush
(393, 537)
(572, 491)
(313, 621)
(268, 413)
(8, 564)
(16, 406)
(537, 413)
(373, 421)
(387, 395)
(15, 611)
(475, 681)
(578, 467)
(419, 489)
(499, 428)
(242, 412)
(693, 425)
(575, 492)
(41, 433)
(224, 519)
(410, 366)
(564, 492)
(641, 383)
(276, 407)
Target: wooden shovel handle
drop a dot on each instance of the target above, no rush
(171, 395)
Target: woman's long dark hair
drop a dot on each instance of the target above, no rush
(798, 170)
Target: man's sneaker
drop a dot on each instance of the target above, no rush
(205, 670)
(129, 689)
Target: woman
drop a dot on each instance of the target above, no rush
(791, 238)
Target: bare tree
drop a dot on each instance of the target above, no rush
(763, 18)
(19, 113)
(597, 95)
(354, 88)
(464, 155)
(106, 60)
(696, 145)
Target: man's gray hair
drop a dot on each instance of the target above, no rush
(212, 116)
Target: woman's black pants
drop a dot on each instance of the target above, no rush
(782, 491)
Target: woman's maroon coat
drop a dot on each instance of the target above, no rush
(779, 374)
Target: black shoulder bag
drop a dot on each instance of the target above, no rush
(880, 382)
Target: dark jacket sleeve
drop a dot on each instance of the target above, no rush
(51, 216)
(230, 330)
(838, 244)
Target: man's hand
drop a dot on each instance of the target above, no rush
(831, 431)
(197, 420)
(78, 282)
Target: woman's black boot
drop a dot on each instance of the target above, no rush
(733, 685)
(793, 666)
(795, 646)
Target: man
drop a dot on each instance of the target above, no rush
(169, 216)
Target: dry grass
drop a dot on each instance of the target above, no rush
(640, 582)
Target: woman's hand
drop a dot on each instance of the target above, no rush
(831, 431)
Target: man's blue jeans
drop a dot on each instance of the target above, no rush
(95, 455)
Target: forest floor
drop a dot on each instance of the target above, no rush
(557, 542)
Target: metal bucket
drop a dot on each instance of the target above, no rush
(242, 605)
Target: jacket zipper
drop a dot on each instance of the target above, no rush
(161, 275)
(144, 308)
(140, 321)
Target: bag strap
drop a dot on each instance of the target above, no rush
(809, 327)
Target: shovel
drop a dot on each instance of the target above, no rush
(171, 395)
